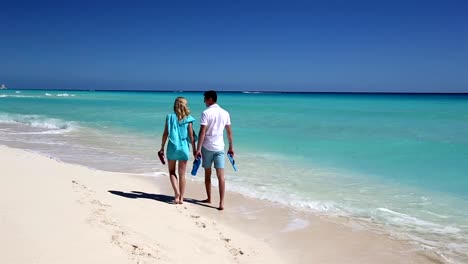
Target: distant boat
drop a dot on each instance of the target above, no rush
(2, 87)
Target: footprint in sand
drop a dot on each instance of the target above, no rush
(200, 224)
(138, 252)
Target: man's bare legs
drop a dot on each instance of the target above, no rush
(182, 168)
(173, 177)
(221, 184)
(207, 185)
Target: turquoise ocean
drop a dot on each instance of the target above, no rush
(395, 163)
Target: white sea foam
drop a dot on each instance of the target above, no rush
(19, 96)
(415, 223)
(438, 215)
(403, 218)
(47, 132)
(36, 121)
(60, 95)
(326, 207)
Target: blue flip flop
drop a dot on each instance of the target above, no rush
(233, 162)
(196, 165)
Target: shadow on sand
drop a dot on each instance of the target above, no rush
(158, 197)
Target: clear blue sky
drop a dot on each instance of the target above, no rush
(328, 46)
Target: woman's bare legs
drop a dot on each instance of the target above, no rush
(173, 177)
(182, 169)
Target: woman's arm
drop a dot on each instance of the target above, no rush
(164, 138)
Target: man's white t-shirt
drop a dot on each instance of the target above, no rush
(215, 119)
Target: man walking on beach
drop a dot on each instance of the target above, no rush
(211, 143)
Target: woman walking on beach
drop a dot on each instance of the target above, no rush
(179, 130)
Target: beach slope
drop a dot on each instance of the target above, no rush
(53, 212)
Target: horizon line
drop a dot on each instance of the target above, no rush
(238, 91)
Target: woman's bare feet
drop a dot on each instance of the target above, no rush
(206, 201)
(177, 199)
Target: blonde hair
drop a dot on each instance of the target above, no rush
(180, 108)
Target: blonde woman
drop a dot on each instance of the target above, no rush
(179, 130)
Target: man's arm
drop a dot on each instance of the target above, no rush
(229, 135)
(201, 138)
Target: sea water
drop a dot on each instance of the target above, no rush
(397, 162)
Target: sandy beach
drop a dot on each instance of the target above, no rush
(54, 212)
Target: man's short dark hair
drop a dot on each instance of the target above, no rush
(211, 95)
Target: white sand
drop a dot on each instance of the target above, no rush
(53, 212)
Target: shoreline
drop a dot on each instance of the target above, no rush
(124, 209)
(304, 237)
